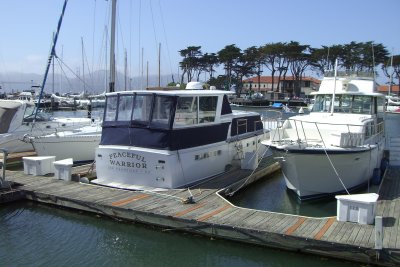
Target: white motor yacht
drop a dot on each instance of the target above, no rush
(339, 146)
(173, 138)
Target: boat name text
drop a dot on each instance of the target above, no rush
(127, 159)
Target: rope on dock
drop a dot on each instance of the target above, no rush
(383, 178)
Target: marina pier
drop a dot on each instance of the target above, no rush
(203, 210)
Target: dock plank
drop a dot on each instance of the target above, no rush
(235, 219)
(369, 232)
(275, 218)
(350, 228)
(207, 216)
(325, 229)
(307, 227)
(391, 227)
(353, 235)
(360, 236)
(294, 226)
(335, 231)
(318, 224)
(256, 218)
(285, 224)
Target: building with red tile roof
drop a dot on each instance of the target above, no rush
(308, 84)
(384, 89)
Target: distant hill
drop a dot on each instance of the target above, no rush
(94, 83)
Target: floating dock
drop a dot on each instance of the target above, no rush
(211, 214)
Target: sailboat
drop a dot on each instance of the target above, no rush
(21, 120)
(78, 144)
(19, 123)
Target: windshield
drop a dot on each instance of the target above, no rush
(358, 104)
(140, 110)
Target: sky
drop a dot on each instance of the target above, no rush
(28, 26)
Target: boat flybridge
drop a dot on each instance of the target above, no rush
(173, 139)
(339, 145)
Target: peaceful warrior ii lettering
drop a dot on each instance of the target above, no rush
(127, 159)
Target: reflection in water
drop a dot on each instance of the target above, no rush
(271, 194)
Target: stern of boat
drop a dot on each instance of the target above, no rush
(131, 166)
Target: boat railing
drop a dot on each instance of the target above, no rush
(272, 121)
(311, 134)
(348, 73)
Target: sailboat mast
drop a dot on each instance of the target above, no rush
(53, 59)
(112, 47)
(52, 53)
(147, 75)
(83, 67)
(159, 65)
(334, 89)
(391, 76)
(126, 70)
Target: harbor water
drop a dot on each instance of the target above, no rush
(33, 234)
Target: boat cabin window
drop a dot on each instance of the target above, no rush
(142, 108)
(30, 114)
(111, 108)
(207, 108)
(195, 110)
(29, 110)
(344, 104)
(380, 105)
(125, 108)
(186, 111)
(362, 104)
(322, 103)
(163, 106)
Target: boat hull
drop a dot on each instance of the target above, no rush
(138, 168)
(310, 174)
(18, 140)
(13, 142)
(81, 148)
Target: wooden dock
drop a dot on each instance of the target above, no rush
(212, 215)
